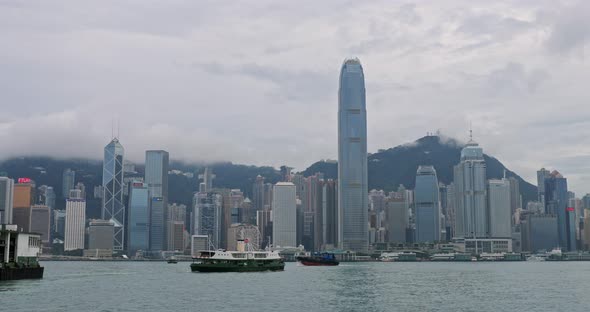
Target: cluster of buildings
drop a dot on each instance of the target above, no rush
(473, 212)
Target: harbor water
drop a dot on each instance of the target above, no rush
(427, 286)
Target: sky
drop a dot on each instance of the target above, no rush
(256, 81)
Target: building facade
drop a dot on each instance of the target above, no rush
(471, 219)
(208, 216)
(556, 203)
(41, 222)
(427, 205)
(499, 207)
(139, 218)
(100, 235)
(68, 180)
(113, 207)
(352, 158)
(75, 223)
(6, 200)
(397, 218)
(284, 215)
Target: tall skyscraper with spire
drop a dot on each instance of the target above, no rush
(470, 191)
(352, 158)
(113, 207)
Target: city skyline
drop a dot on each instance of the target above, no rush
(427, 69)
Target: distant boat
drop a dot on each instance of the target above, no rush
(172, 260)
(323, 259)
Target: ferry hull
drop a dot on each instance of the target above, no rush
(211, 268)
(313, 263)
(9, 274)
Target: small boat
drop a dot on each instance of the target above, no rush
(323, 259)
(172, 260)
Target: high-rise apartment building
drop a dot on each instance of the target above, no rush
(75, 222)
(113, 207)
(427, 205)
(284, 215)
(6, 200)
(499, 207)
(470, 193)
(139, 218)
(352, 158)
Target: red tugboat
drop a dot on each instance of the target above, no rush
(323, 259)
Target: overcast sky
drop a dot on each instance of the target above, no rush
(256, 81)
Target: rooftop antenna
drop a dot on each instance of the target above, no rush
(118, 126)
(470, 132)
(112, 129)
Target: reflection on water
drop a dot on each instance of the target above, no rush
(137, 286)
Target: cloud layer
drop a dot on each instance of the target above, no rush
(256, 81)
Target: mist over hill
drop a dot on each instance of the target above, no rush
(392, 167)
(387, 170)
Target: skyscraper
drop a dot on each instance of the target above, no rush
(258, 193)
(207, 177)
(556, 203)
(542, 174)
(175, 227)
(139, 218)
(156, 177)
(68, 180)
(23, 199)
(427, 205)
(499, 207)
(113, 207)
(352, 158)
(157, 224)
(284, 215)
(515, 201)
(470, 191)
(75, 222)
(207, 216)
(396, 215)
(330, 214)
(6, 200)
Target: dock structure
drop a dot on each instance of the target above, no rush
(19, 253)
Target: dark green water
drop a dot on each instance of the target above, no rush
(137, 286)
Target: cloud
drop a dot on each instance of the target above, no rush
(570, 29)
(256, 82)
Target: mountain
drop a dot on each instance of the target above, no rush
(392, 167)
(387, 170)
(48, 171)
